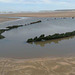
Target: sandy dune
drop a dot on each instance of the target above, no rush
(41, 66)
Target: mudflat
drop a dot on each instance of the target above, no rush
(39, 66)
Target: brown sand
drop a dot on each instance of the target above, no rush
(50, 14)
(6, 19)
(40, 66)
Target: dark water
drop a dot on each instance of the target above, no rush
(14, 45)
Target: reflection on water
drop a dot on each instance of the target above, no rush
(14, 45)
(56, 41)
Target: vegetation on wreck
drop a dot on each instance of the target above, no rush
(1, 31)
(36, 22)
(8, 28)
(2, 37)
(16, 26)
(51, 37)
(13, 27)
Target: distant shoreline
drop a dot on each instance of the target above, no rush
(39, 14)
(43, 14)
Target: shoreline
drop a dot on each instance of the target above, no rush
(2, 20)
(42, 14)
(39, 58)
(8, 17)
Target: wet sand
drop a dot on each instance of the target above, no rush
(7, 19)
(40, 66)
(49, 14)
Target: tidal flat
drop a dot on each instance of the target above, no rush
(14, 44)
(51, 57)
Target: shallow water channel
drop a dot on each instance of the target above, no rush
(14, 44)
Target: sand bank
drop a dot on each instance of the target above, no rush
(40, 66)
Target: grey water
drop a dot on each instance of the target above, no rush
(14, 44)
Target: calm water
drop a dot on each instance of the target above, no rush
(14, 45)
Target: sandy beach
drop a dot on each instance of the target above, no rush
(41, 66)
(44, 14)
(49, 14)
(38, 66)
(7, 19)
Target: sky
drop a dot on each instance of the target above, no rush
(35, 5)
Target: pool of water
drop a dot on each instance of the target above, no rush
(14, 45)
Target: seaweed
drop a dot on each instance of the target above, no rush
(51, 37)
